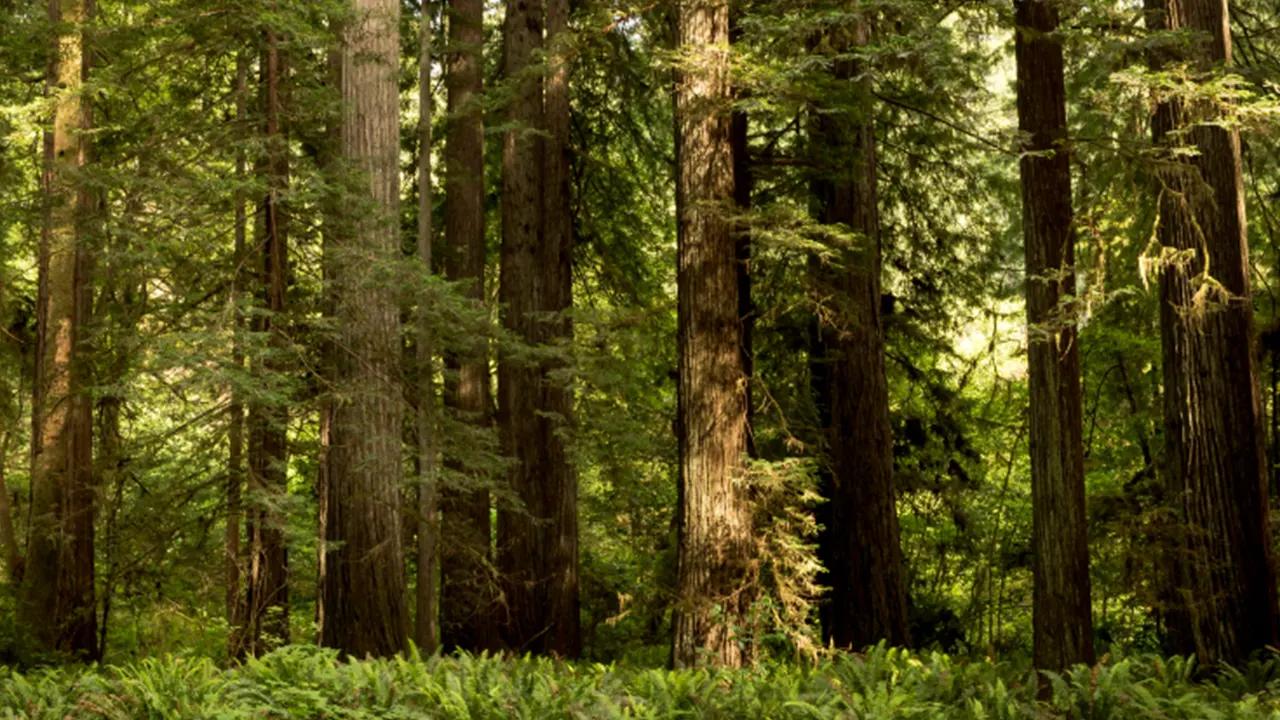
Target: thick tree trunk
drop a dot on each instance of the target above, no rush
(426, 630)
(364, 588)
(1061, 610)
(860, 545)
(1223, 574)
(467, 603)
(58, 603)
(537, 544)
(716, 559)
(267, 591)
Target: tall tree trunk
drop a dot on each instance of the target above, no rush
(1061, 609)
(426, 631)
(58, 603)
(860, 546)
(537, 543)
(267, 591)
(555, 411)
(1223, 573)
(364, 588)
(233, 554)
(467, 595)
(716, 557)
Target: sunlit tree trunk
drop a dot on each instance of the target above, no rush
(467, 601)
(58, 606)
(860, 545)
(716, 549)
(743, 186)
(1224, 584)
(364, 588)
(1061, 611)
(537, 544)
(267, 588)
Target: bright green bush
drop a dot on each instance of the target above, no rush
(309, 682)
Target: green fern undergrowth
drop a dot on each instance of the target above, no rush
(311, 682)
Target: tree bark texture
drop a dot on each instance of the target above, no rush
(1222, 568)
(716, 555)
(58, 602)
(743, 186)
(537, 543)
(860, 544)
(467, 604)
(1061, 609)
(267, 585)
(364, 589)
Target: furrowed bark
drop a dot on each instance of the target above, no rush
(1222, 571)
(1061, 608)
(716, 560)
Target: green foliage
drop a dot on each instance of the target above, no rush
(306, 682)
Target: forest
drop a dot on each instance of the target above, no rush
(639, 358)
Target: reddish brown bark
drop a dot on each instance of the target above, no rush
(537, 543)
(57, 597)
(860, 544)
(364, 587)
(716, 549)
(1061, 610)
(1222, 571)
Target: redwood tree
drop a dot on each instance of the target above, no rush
(1062, 622)
(467, 598)
(860, 543)
(1222, 572)
(57, 596)
(716, 548)
(364, 583)
(537, 543)
(426, 629)
(266, 612)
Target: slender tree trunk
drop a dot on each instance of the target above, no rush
(13, 561)
(58, 603)
(555, 411)
(426, 632)
(1224, 583)
(860, 547)
(364, 587)
(537, 543)
(267, 591)
(233, 554)
(716, 558)
(467, 602)
(1061, 609)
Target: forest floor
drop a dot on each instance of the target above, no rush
(308, 682)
